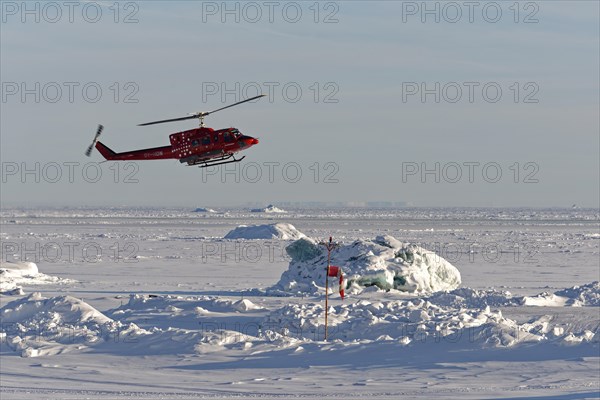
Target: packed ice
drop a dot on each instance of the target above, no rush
(188, 303)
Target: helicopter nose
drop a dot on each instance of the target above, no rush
(250, 140)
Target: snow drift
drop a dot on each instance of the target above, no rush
(281, 231)
(384, 262)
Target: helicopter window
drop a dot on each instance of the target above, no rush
(228, 137)
(195, 143)
(206, 140)
(216, 138)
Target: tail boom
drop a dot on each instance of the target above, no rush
(155, 153)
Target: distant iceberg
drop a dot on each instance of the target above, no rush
(269, 209)
(204, 210)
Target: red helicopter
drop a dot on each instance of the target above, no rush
(200, 146)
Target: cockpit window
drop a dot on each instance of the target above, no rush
(236, 133)
(228, 137)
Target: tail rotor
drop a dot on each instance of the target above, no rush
(88, 152)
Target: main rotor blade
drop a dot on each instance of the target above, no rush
(200, 114)
(235, 104)
(170, 120)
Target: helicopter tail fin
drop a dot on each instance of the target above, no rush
(105, 151)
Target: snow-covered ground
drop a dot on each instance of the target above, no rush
(154, 303)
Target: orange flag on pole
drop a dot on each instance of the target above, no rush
(337, 272)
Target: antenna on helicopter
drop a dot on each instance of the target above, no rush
(201, 114)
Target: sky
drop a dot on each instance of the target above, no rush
(481, 104)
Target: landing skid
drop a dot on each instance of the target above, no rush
(217, 161)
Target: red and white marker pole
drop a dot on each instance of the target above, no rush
(329, 246)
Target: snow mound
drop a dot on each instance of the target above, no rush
(63, 309)
(20, 269)
(384, 262)
(37, 326)
(245, 305)
(544, 300)
(204, 210)
(576, 296)
(585, 295)
(269, 209)
(280, 230)
(15, 274)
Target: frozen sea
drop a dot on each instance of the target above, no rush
(154, 303)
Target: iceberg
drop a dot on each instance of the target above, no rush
(384, 263)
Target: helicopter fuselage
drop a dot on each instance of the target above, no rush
(194, 146)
